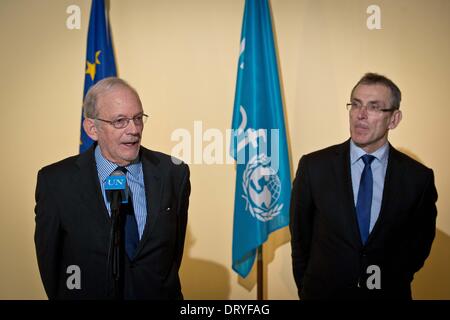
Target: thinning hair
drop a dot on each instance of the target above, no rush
(374, 78)
(101, 87)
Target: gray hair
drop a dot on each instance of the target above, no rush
(101, 87)
(374, 78)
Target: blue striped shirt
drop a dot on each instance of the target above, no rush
(135, 182)
(378, 166)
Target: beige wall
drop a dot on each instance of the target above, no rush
(182, 57)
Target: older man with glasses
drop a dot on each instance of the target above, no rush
(85, 248)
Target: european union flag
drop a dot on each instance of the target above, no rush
(259, 146)
(99, 56)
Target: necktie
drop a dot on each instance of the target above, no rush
(130, 225)
(364, 203)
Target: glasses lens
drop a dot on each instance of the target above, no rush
(120, 123)
(138, 121)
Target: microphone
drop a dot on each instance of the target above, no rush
(116, 189)
(116, 192)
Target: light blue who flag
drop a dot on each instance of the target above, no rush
(258, 142)
(100, 62)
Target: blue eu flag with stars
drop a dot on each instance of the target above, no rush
(259, 146)
(99, 57)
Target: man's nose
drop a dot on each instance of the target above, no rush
(362, 112)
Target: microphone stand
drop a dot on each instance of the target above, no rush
(116, 246)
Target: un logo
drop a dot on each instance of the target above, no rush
(262, 188)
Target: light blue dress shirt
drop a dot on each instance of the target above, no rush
(135, 182)
(378, 166)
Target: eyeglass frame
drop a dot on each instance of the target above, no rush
(370, 108)
(143, 117)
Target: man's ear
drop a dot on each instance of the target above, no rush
(90, 128)
(395, 119)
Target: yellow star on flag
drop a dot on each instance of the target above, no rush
(91, 68)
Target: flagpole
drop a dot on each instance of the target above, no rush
(259, 274)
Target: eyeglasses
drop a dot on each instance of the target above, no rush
(372, 108)
(123, 122)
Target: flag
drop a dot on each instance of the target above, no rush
(258, 142)
(99, 57)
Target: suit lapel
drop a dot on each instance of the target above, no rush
(153, 191)
(89, 190)
(342, 172)
(391, 185)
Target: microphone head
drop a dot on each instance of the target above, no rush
(117, 182)
(118, 172)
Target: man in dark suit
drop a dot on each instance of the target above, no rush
(73, 214)
(363, 214)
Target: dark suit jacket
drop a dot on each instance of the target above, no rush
(329, 260)
(73, 228)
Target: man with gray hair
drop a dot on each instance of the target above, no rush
(73, 234)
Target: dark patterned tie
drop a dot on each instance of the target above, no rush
(364, 203)
(130, 227)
